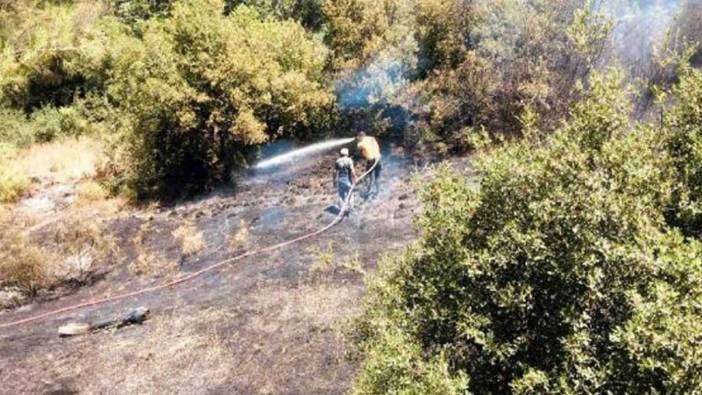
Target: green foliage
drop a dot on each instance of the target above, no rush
(307, 12)
(684, 145)
(46, 124)
(49, 123)
(13, 183)
(348, 27)
(443, 31)
(36, 64)
(15, 130)
(199, 90)
(560, 273)
(588, 31)
(397, 366)
(134, 11)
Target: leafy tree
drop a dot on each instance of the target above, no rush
(520, 56)
(452, 69)
(200, 90)
(444, 33)
(558, 274)
(36, 61)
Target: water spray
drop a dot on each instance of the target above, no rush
(314, 148)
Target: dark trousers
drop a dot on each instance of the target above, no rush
(344, 188)
(374, 176)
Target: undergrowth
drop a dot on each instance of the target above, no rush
(69, 253)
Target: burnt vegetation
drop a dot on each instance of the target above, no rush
(572, 264)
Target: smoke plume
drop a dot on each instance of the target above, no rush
(640, 31)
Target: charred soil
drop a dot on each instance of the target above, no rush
(266, 324)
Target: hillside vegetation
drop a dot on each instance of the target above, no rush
(571, 264)
(185, 91)
(574, 266)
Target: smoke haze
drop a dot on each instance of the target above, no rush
(640, 30)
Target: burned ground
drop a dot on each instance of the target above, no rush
(266, 324)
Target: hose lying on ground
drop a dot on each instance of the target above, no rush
(342, 211)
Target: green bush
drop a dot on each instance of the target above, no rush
(37, 58)
(200, 90)
(133, 11)
(397, 366)
(558, 274)
(15, 129)
(307, 12)
(684, 145)
(49, 123)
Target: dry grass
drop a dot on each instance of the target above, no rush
(323, 259)
(190, 239)
(61, 160)
(147, 261)
(319, 305)
(83, 245)
(353, 264)
(25, 265)
(89, 192)
(325, 263)
(61, 248)
(177, 355)
(240, 239)
(13, 181)
(72, 251)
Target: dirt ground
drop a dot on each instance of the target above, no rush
(268, 324)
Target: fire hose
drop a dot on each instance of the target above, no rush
(339, 217)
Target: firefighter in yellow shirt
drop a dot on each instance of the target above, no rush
(369, 151)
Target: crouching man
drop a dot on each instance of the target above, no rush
(344, 177)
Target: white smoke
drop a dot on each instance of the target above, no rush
(641, 29)
(380, 81)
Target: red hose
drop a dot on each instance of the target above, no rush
(198, 273)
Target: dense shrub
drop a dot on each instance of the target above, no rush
(134, 11)
(49, 123)
(558, 274)
(397, 367)
(46, 124)
(521, 56)
(437, 70)
(15, 129)
(307, 12)
(37, 63)
(684, 144)
(199, 90)
(189, 88)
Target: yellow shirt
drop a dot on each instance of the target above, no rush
(368, 148)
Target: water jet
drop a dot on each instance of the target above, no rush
(304, 151)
